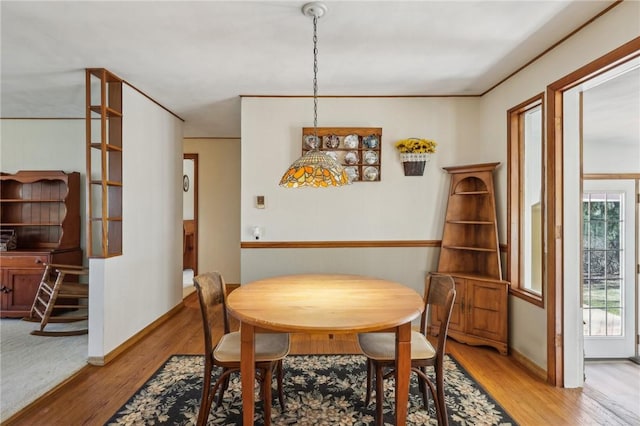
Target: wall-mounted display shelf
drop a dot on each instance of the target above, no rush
(358, 149)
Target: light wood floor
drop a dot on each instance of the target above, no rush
(95, 393)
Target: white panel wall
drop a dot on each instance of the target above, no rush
(129, 292)
(618, 26)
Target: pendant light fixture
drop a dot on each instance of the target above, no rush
(315, 168)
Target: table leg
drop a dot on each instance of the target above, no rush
(403, 371)
(247, 371)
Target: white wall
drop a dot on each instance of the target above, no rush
(616, 158)
(396, 208)
(129, 292)
(218, 205)
(46, 145)
(618, 26)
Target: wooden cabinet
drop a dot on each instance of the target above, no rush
(21, 272)
(19, 286)
(470, 252)
(479, 315)
(43, 209)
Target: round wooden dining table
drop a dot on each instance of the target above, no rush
(325, 303)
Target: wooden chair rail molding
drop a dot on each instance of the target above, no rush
(344, 244)
(596, 176)
(338, 244)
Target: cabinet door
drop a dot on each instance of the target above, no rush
(19, 289)
(457, 320)
(487, 309)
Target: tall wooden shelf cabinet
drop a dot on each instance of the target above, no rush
(42, 208)
(104, 163)
(470, 252)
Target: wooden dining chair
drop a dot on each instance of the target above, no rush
(379, 348)
(270, 349)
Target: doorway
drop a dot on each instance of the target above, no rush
(608, 268)
(189, 221)
(565, 344)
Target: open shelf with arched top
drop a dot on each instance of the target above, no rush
(470, 252)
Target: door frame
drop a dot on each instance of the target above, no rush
(555, 200)
(628, 186)
(194, 184)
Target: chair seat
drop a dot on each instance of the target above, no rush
(269, 346)
(382, 346)
(74, 290)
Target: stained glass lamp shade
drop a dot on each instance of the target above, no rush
(315, 169)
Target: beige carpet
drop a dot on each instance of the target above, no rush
(32, 365)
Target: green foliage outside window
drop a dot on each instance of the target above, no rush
(601, 256)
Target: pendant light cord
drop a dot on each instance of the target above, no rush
(314, 168)
(315, 78)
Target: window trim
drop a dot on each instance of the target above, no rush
(515, 160)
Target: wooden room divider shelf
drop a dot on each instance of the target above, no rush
(43, 209)
(104, 163)
(108, 111)
(470, 252)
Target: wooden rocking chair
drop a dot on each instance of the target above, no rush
(54, 295)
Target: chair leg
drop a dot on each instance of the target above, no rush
(441, 406)
(379, 394)
(423, 388)
(205, 404)
(369, 371)
(223, 388)
(266, 391)
(279, 374)
(206, 400)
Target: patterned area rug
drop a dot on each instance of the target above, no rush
(319, 390)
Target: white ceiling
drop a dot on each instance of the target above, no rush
(612, 107)
(197, 57)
